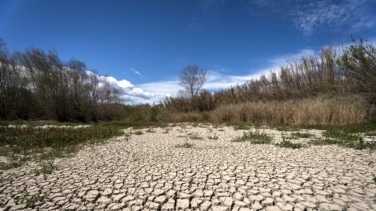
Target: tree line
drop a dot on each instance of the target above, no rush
(36, 84)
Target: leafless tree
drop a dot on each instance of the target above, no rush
(192, 79)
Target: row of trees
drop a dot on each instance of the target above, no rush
(350, 71)
(37, 85)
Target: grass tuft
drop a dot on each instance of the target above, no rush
(24, 144)
(289, 144)
(46, 168)
(185, 145)
(254, 137)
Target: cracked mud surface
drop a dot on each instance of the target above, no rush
(153, 172)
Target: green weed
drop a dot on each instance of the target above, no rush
(46, 168)
(289, 144)
(29, 200)
(241, 127)
(213, 137)
(138, 132)
(345, 139)
(297, 135)
(254, 137)
(194, 136)
(23, 144)
(185, 145)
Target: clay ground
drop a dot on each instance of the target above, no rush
(185, 167)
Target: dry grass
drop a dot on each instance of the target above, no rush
(308, 111)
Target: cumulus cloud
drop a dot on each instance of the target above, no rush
(130, 93)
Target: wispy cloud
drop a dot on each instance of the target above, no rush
(209, 4)
(311, 16)
(136, 71)
(281, 60)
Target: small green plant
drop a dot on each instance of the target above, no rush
(297, 135)
(190, 182)
(46, 168)
(28, 200)
(242, 127)
(341, 135)
(185, 145)
(194, 136)
(213, 137)
(345, 140)
(254, 137)
(167, 130)
(289, 144)
(286, 128)
(138, 132)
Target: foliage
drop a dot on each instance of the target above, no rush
(359, 64)
(37, 85)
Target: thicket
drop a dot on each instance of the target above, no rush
(335, 87)
(37, 85)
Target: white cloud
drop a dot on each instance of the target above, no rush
(129, 92)
(283, 59)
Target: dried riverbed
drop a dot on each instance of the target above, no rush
(197, 168)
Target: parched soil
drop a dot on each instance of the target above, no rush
(197, 168)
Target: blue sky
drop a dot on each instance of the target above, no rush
(142, 45)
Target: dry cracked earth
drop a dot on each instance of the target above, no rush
(154, 171)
